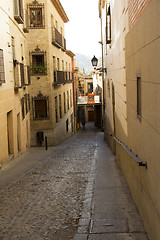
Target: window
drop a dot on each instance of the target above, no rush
(18, 11)
(36, 11)
(72, 126)
(139, 112)
(52, 28)
(38, 62)
(67, 125)
(23, 109)
(108, 25)
(90, 87)
(26, 103)
(36, 17)
(71, 97)
(68, 99)
(58, 66)
(2, 73)
(64, 96)
(22, 74)
(60, 107)
(40, 107)
(56, 110)
(13, 48)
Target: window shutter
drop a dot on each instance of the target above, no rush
(2, 73)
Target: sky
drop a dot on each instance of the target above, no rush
(82, 32)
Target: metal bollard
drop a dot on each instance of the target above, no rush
(46, 143)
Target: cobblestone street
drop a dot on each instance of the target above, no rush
(46, 202)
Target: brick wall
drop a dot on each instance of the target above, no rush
(136, 8)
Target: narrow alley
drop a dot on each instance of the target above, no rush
(72, 191)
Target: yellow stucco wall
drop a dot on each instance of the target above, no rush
(10, 102)
(142, 57)
(131, 52)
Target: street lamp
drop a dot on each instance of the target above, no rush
(94, 61)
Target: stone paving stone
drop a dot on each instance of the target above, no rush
(118, 236)
(46, 201)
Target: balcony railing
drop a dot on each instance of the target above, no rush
(61, 77)
(58, 40)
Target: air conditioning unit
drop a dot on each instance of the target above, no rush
(18, 11)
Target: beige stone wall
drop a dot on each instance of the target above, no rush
(12, 126)
(135, 52)
(55, 132)
(144, 136)
(115, 122)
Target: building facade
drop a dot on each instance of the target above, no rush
(51, 67)
(14, 82)
(131, 56)
(36, 76)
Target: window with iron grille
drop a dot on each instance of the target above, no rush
(2, 73)
(40, 107)
(64, 97)
(38, 62)
(139, 101)
(60, 107)
(36, 12)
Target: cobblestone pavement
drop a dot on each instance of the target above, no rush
(46, 203)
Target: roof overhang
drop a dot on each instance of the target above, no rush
(71, 54)
(60, 10)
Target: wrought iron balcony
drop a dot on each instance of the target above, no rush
(57, 38)
(61, 77)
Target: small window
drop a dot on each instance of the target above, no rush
(64, 96)
(60, 107)
(56, 109)
(68, 99)
(108, 25)
(71, 97)
(67, 125)
(23, 108)
(2, 73)
(139, 101)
